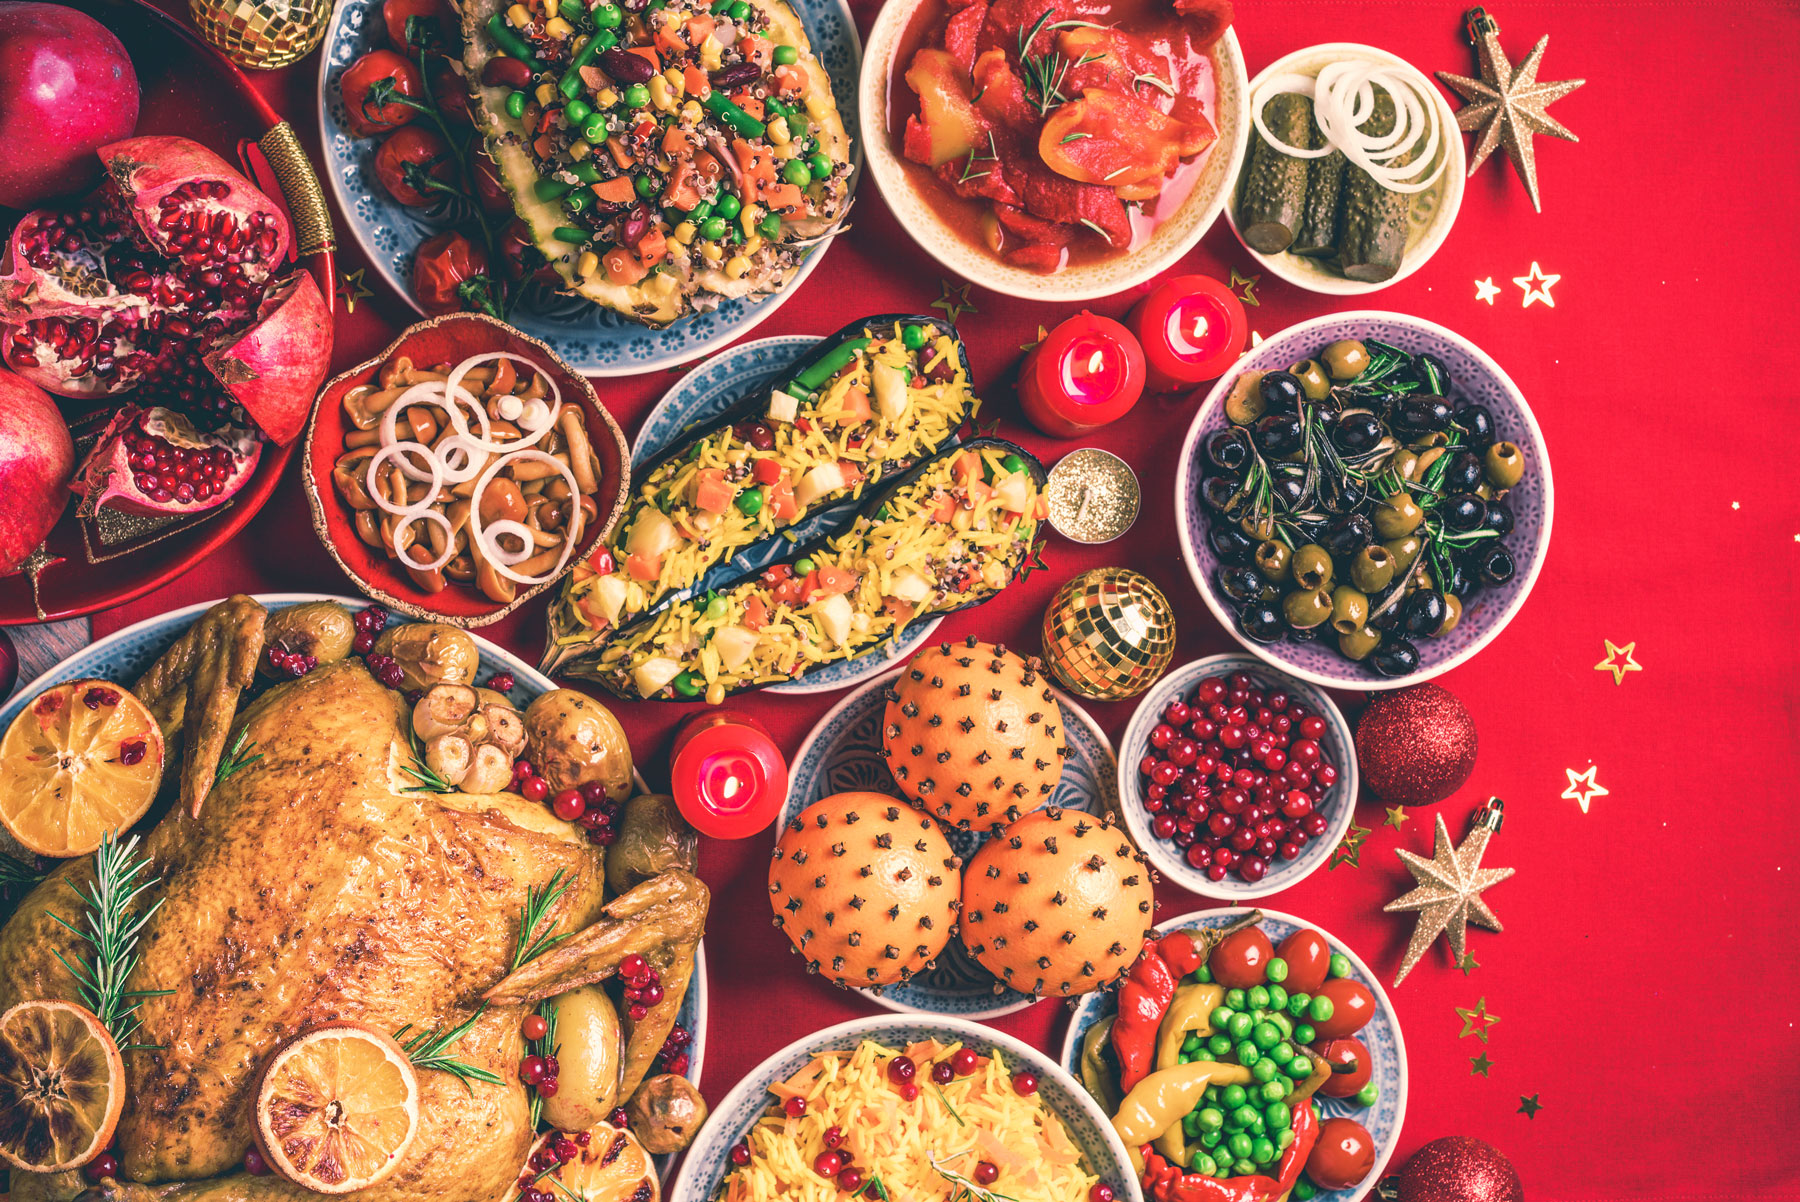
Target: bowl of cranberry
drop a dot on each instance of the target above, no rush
(1237, 781)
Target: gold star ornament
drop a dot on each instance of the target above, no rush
(1449, 885)
(954, 302)
(1507, 104)
(1619, 661)
(1583, 788)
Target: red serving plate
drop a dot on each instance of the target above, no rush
(449, 339)
(188, 89)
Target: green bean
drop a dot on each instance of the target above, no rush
(552, 189)
(511, 42)
(570, 84)
(569, 233)
(835, 360)
(721, 107)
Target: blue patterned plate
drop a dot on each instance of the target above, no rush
(706, 392)
(842, 753)
(127, 654)
(1089, 1128)
(1387, 1047)
(593, 340)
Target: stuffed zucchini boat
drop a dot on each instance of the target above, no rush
(869, 402)
(664, 155)
(947, 535)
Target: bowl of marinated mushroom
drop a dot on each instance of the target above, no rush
(463, 470)
(1365, 501)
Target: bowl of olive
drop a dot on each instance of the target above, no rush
(1365, 501)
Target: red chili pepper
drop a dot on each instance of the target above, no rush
(1181, 951)
(1167, 1183)
(1143, 1000)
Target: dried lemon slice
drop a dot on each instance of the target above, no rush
(83, 759)
(611, 1166)
(62, 1086)
(337, 1107)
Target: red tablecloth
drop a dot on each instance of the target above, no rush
(1645, 981)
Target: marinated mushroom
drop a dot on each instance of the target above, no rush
(666, 1113)
(573, 740)
(430, 653)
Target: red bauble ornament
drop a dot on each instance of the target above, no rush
(1415, 746)
(1458, 1168)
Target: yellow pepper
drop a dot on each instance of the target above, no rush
(1159, 1101)
(1189, 1013)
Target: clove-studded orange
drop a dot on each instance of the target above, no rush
(973, 734)
(866, 888)
(1058, 903)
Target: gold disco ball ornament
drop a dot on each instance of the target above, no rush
(263, 33)
(1109, 634)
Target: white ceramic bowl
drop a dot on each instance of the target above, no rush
(708, 1160)
(1433, 210)
(1475, 377)
(1171, 240)
(1338, 804)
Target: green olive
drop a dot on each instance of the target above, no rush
(1404, 551)
(1313, 380)
(1405, 464)
(1346, 360)
(1437, 438)
(1420, 579)
(1397, 515)
(1306, 608)
(1272, 559)
(1452, 614)
(1262, 529)
(1373, 568)
(1356, 644)
(1427, 457)
(1349, 609)
(1244, 403)
(1311, 567)
(1505, 464)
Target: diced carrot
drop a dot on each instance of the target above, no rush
(756, 612)
(966, 468)
(1043, 508)
(617, 190)
(809, 588)
(781, 501)
(781, 196)
(592, 613)
(693, 77)
(666, 39)
(900, 611)
(755, 48)
(789, 592)
(943, 505)
(643, 567)
(620, 154)
(750, 104)
(544, 146)
(790, 79)
(711, 492)
(978, 493)
(675, 143)
(648, 53)
(833, 580)
(699, 28)
(681, 193)
(622, 267)
(856, 407)
(653, 246)
(753, 161)
(852, 472)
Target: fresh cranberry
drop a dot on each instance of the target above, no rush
(1210, 690)
(794, 1107)
(1184, 752)
(1164, 773)
(535, 788)
(901, 1069)
(965, 1061)
(568, 805)
(1176, 713)
(1221, 823)
(1297, 804)
(547, 1087)
(828, 1164)
(531, 1070)
(833, 1136)
(107, 1165)
(1100, 1192)
(1290, 850)
(534, 1027)
(1325, 774)
(909, 1090)
(634, 967)
(942, 1073)
(1162, 735)
(1199, 856)
(523, 771)
(1024, 1083)
(254, 1164)
(1312, 727)
(849, 1180)
(986, 1172)
(638, 1011)
(1253, 869)
(619, 1118)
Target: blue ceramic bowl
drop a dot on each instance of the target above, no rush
(1476, 377)
(1339, 803)
(1387, 1047)
(842, 753)
(708, 1160)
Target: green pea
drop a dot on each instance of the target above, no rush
(786, 56)
(1299, 1068)
(716, 607)
(1259, 998)
(1234, 999)
(1284, 1137)
(770, 225)
(1264, 1069)
(689, 685)
(1210, 1119)
(805, 565)
(1297, 1003)
(1190, 1126)
(1245, 1116)
(739, 10)
(1262, 1151)
(1211, 1139)
(1266, 1035)
(796, 172)
(1278, 969)
(1218, 1045)
(1184, 1058)
(1274, 1091)
(1244, 1167)
(1203, 1164)
(1340, 965)
(1247, 1054)
(645, 185)
(1278, 998)
(609, 16)
(1303, 1033)
(579, 201)
(1281, 1053)
(819, 164)
(637, 96)
(1304, 1191)
(595, 130)
(515, 105)
(750, 501)
(1233, 1096)
(1320, 1009)
(569, 233)
(1220, 1017)
(728, 206)
(1367, 1094)
(701, 211)
(1202, 1054)
(1240, 1026)
(1282, 1023)
(1240, 1145)
(713, 228)
(1191, 1044)
(1203, 974)
(1278, 1116)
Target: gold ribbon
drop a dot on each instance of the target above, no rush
(300, 186)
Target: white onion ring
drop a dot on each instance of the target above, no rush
(397, 451)
(462, 369)
(1343, 96)
(518, 530)
(483, 538)
(430, 515)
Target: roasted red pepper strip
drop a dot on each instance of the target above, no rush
(1143, 1000)
(1167, 1183)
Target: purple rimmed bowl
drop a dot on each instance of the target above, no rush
(1475, 377)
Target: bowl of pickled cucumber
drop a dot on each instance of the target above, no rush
(1365, 501)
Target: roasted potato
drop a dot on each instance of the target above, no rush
(666, 1113)
(573, 739)
(321, 629)
(653, 838)
(430, 653)
(587, 1081)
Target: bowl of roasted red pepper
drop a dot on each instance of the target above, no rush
(1246, 1057)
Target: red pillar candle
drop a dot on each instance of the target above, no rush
(1192, 328)
(728, 777)
(1087, 372)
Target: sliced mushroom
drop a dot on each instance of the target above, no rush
(506, 729)
(349, 475)
(368, 528)
(443, 710)
(580, 453)
(491, 772)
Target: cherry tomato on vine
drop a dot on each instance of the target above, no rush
(520, 256)
(1308, 959)
(1241, 959)
(1344, 1155)
(1352, 1006)
(368, 86)
(412, 155)
(1345, 1051)
(429, 21)
(488, 188)
(451, 96)
(441, 265)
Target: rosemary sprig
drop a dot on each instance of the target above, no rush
(429, 781)
(431, 1049)
(547, 1046)
(945, 1099)
(1160, 84)
(234, 760)
(111, 931)
(1095, 226)
(17, 872)
(530, 945)
(880, 1189)
(1043, 73)
(968, 1189)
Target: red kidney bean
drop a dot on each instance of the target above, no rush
(625, 66)
(735, 76)
(507, 73)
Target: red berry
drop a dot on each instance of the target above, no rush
(828, 1164)
(1163, 826)
(942, 1073)
(1176, 713)
(1100, 1192)
(900, 1069)
(794, 1107)
(633, 967)
(965, 1061)
(107, 1165)
(568, 805)
(535, 788)
(502, 682)
(1253, 868)
(1024, 1083)
(531, 1070)
(534, 1026)
(547, 1087)
(850, 1180)
(986, 1172)
(908, 1090)
(1162, 735)
(833, 1136)
(740, 1152)
(619, 1118)
(522, 770)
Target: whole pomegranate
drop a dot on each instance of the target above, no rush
(67, 88)
(36, 458)
(159, 281)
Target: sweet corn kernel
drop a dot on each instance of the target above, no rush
(782, 154)
(581, 43)
(546, 92)
(710, 252)
(751, 214)
(709, 54)
(549, 7)
(715, 694)
(692, 111)
(519, 15)
(778, 131)
(818, 104)
(684, 233)
(606, 98)
(659, 93)
(677, 81)
(587, 264)
(558, 28)
(579, 150)
(738, 267)
(752, 244)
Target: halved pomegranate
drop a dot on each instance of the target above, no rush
(154, 461)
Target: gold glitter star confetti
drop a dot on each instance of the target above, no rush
(1395, 816)
(1035, 342)
(1529, 1105)
(1486, 290)
(1449, 888)
(1507, 104)
(351, 287)
(1468, 964)
(1537, 286)
(1479, 1063)
(1612, 663)
(1583, 787)
(1476, 1021)
(1245, 287)
(954, 301)
(1349, 851)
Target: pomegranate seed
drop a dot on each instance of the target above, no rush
(132, 752)
(740, 1152)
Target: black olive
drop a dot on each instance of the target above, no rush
(1230, 544)
(1288, 490)
(1261, 622)
(1425, 611)
(1240, 583)
(1229, 450)
(1463, 511)
(1495, 565)
(1421, 415)
(1477, 424)
(1461, 582)
(1463, 473)
(1432, 373)
(1349, 534)
(1395, 657)
(1307, 634)
(1498, 518)
(1280, 392)
(1325, 419)
(1341, 494)
(1278, 434)
(1356, 433)
(1388, 617)
(1219, 492)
